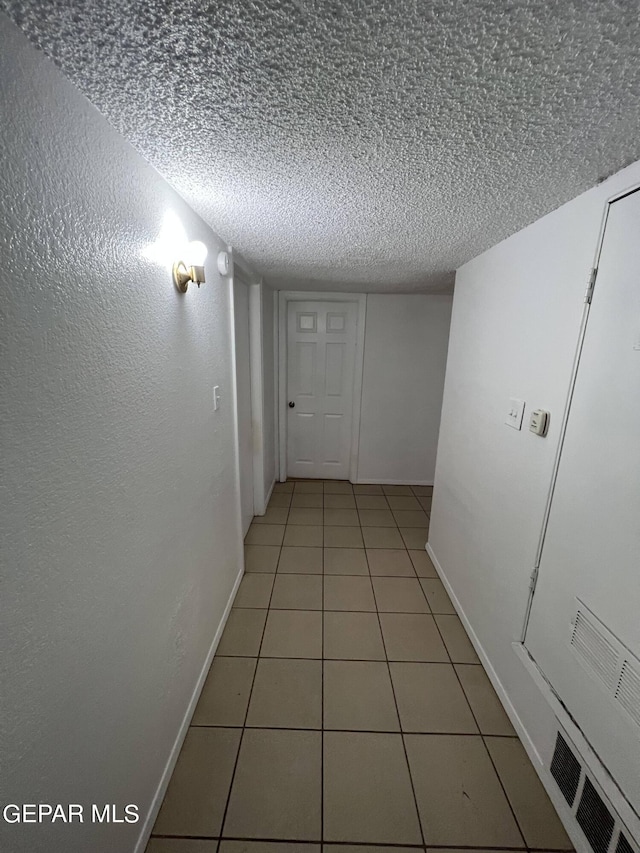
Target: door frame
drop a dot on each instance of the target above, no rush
(567, 407)
(284, 298)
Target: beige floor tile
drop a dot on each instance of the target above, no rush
(367, 789)
(422, 491)
(397, 490)
(254, 590)
(346, 592)
(390, 562)
(403, 502)
(430, 699)
(307, 516)
(265, 534)
(283, 488)
(382, 537)
(297, 592)
(308, 501)
(487, 708)
(371, 502)
(300, 561)
(538, 819)
(305, 536)
(352, 636)
(415, 537)
(337, 487)
(339, 502)
(281, 499)
(412, 637)
(345, 561)
(293, 634)
(411, 518)
(276, 791)
(369, 848)
(376, 518)
(242, 634)
(456, 640)
(225, 695)
(399, 595)
(261, 558)
(308, 487)
(197, 794)
(181, 845)
(422, 563)
(437, 596)
(343, 537)
(367, 489)
(287, 694)
(228, 846)
(341, 517)
(460, 799)
(426, 503)
(273, 515)
(358, 695)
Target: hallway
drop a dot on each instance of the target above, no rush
(345, 704)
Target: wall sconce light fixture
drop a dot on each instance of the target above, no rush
(182, 275)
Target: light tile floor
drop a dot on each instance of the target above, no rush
(346, 705)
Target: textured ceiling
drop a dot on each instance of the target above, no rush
(360, 144)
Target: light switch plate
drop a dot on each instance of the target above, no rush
(515, 413)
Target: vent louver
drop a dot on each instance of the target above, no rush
(595, 819)
(595, 649)
(565, 769)
(623, 845)
(628, 691)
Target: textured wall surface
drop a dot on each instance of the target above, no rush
(118, 488)
(405, 353)
(370, 144)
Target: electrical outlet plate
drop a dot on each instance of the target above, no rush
(515, 413)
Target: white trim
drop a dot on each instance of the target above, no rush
(284, 297)
(234, 396)
(257, 395)
(560, 805)
(276, 412)
(268, 497)
(362, 481)
(156, 802)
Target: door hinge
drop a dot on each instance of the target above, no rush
(590, 286)
(532, 581)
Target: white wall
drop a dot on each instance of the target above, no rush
(119, 497)
(404, 362)
(269, 349)
(515, 323)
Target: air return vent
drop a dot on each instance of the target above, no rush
(610, 661)
(628, 690)
(565, 769)
(595, 819)
(623, 845)
(595, 649)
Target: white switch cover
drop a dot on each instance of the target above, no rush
(515, 413)
(216, 398)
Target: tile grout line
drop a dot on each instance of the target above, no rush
(246, 713)
(395, 702)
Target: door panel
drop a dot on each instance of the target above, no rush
(584, 630)
(243, 385)
(321, 347)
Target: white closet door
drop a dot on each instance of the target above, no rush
(321, 347)
(584, 630)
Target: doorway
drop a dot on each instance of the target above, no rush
(321, 354)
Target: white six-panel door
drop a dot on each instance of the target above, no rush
(321, 348)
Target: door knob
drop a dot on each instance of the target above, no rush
(292, 405)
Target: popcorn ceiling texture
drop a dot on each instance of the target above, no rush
(365, 144)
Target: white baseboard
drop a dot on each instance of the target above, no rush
(147, 827)
(488, 666)
(363, 481)
(559, 804)
(268, 498)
